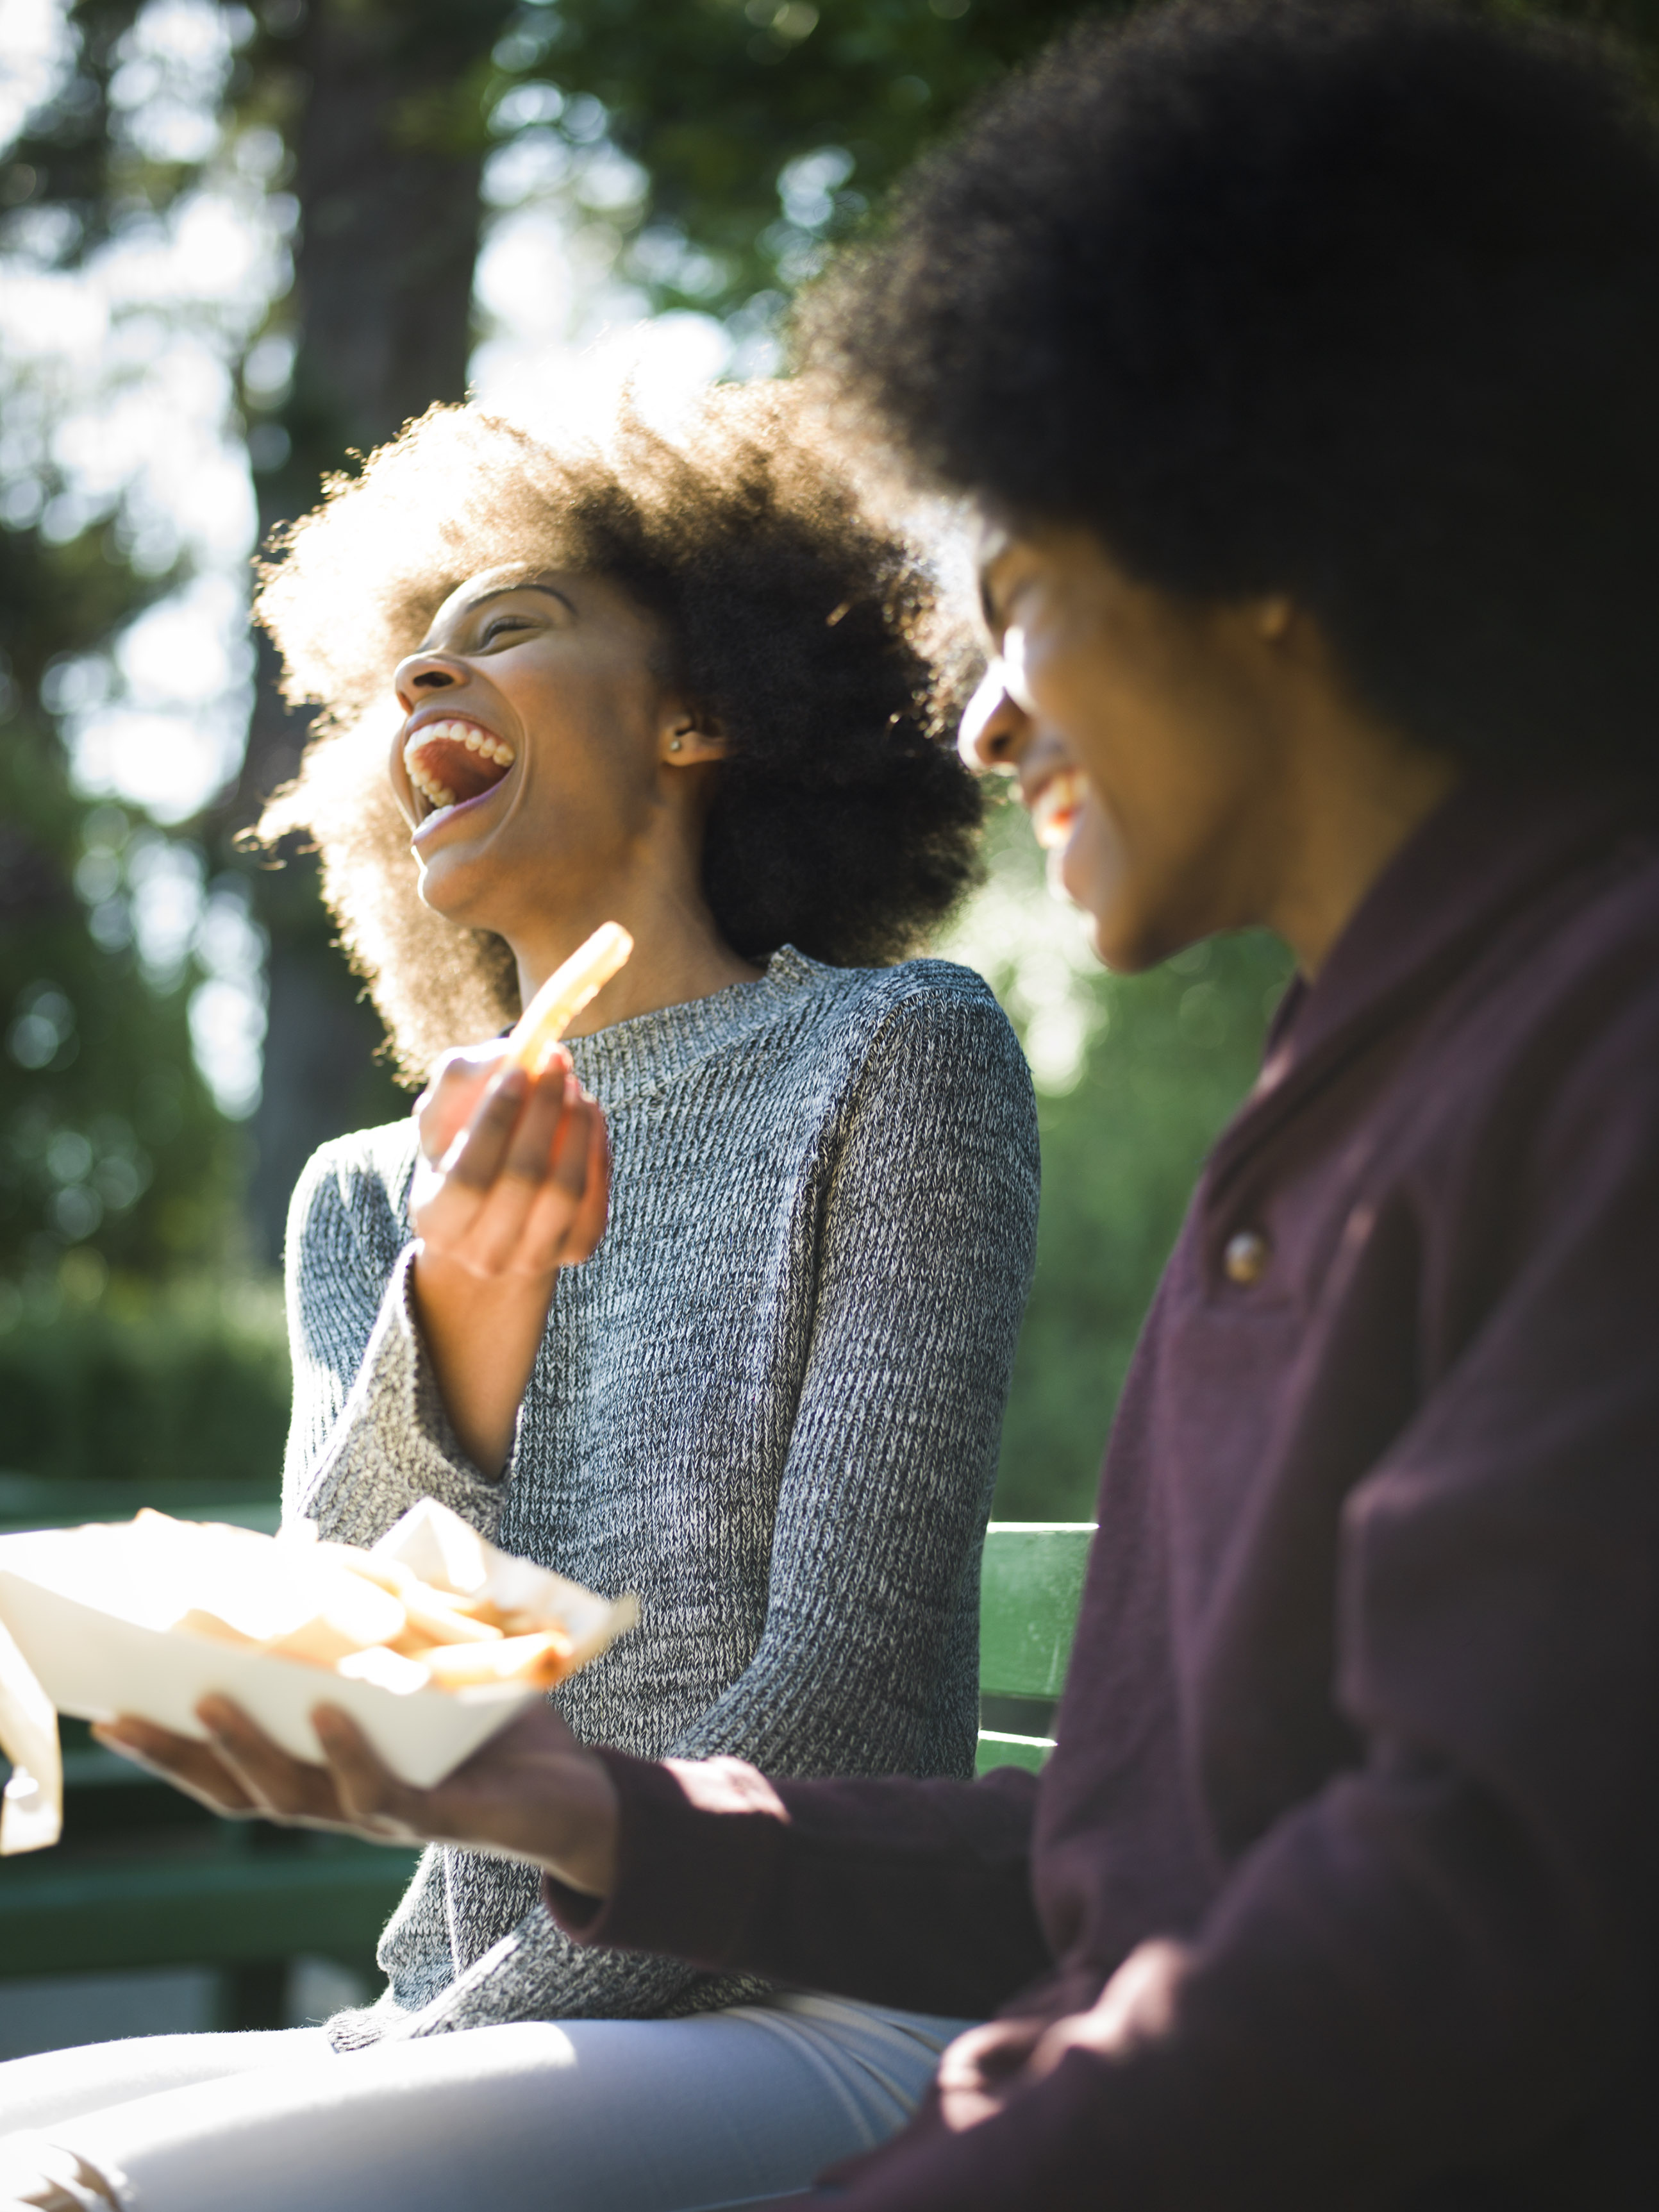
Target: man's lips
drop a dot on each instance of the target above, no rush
(1053, 807)
(450, 760)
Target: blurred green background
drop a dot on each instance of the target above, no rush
(235, 243)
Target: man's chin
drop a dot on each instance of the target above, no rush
(1116, 934)
(1127, 944)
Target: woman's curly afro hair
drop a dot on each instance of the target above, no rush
(843, 822)
(1356, 302)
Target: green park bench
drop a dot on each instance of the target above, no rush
(144, 1878)
(1031, 1584)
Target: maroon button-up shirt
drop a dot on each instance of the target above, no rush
(1362, 1716)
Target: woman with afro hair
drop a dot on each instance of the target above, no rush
(677, 682)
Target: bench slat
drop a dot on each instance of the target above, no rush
(196, 1909)
(996, 1749)
(1031, 1585)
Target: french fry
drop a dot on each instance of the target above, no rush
(565, 993)
(431, 1621)
(354, 1615)
(198, 1621)
(538, 1661)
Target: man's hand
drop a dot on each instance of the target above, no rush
(531, 1793)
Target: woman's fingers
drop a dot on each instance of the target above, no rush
(498, 1239)
(569, 1215)
(451, 1198)
(588, 1225)
(450, 1099)
(525, 1191)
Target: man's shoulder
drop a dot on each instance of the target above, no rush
(1587, 960)
(1554, 1027)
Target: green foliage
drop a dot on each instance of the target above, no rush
(714, 98)
(184, 1386)
(109, 1143)
(1136, 1075)
(68, 159)
(766, 129)
(1121, 1152)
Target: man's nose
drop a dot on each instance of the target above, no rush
(421, 671)
(995, 731)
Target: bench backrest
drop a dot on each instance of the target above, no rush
(1031, 1585)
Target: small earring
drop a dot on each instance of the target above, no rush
(673, 744)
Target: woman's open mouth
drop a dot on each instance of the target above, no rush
(1054, 808)
(451, 761)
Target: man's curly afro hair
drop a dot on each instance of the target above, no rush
(1355, 302)
(841, 823)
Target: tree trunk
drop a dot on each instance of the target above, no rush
(387, 146)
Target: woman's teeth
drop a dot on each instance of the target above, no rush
(1055, 807)
(452, 760)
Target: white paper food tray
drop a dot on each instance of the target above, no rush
(98, 1659)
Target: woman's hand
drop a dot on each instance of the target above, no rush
(532, 1792)
(514, 1173)
(512, 1183)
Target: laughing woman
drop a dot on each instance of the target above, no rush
(680, 684)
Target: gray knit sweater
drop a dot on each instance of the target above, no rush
(769, 1405)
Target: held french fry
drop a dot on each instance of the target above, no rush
(565, 993)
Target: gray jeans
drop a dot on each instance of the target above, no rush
(569, 2115)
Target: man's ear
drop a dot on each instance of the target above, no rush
(689, 735)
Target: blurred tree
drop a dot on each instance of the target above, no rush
(375, 110)
(110, 1147)
(379, 103)
(766, 129)
(117, 1175)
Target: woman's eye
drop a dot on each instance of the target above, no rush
(504, 624)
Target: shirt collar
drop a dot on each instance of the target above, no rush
(1483, 853)
(620, 1062)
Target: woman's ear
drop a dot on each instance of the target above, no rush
(690, 737)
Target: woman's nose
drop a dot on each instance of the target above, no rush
(995, 731)
(421, 672)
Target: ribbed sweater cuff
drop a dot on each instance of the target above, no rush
(698, 1850)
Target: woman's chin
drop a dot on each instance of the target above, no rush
(456, 886)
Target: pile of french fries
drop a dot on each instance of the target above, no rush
(363, 1615)
(148, 1616)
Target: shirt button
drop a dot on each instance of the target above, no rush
(1245, 1259)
